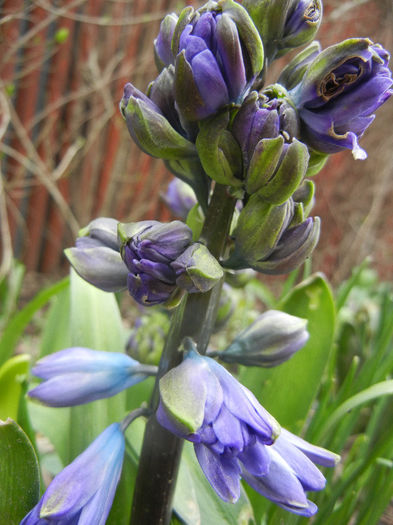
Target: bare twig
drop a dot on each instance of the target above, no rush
(42, 172)
(6, 261)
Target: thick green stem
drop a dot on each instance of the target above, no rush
(195, 316)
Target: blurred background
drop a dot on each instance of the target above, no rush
(66, 156)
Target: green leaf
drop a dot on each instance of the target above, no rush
(195, 220)
(56, 332)
(288, 390)
(384, 388)
(54, 424)
(95, 323)
(12, 374)
(19, 475)
(19, 321)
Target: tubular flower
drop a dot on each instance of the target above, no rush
(82, 493)
(292, 473)
(235, 437)
(339, 93)
(203, 403)
(75, 376)
(218, 54)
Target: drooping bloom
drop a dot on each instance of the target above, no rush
(203, 403)
(292, 473)
(341, 89)
(235, 437)
(273, 338)
(82, 493)
(75, 376)
(96, 256)
(217, 55)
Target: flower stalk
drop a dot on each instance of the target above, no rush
(161, 450)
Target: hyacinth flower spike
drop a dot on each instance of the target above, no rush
(75, 376)
(235, 437)
(82, 493)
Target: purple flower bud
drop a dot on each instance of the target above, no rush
(148, 249)
(180, 198)
(292, 473)
(302, 22)
(339, 93)
(75, 376)
(295, 245)
(284, 24)
(269, 341)
(96, 256)
(203, 403)
(156, 133)
(83, 492)
(219, 53)
(162, 44)
(262, 116)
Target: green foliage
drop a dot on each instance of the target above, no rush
(19, 474)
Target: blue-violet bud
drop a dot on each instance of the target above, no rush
(218, 53)
(75, 376)
(83, 492)
(96, 256)
(284, 24)
(339, 93)
(273, 338)
(148, 249)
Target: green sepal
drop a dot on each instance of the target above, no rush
(260, 227)
(316, 163)
(154, 133)
(185, 18)
(269, 18)
(264, 160)
(219, 151)
(187, 95)
(285, 264)
(202, 270)
(183, 399)
(247, 31)
(304, 195)
(195, 220)
(288, 176)
(293, 73)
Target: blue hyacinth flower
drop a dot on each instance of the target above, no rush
(77, 375)
(82, 493)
